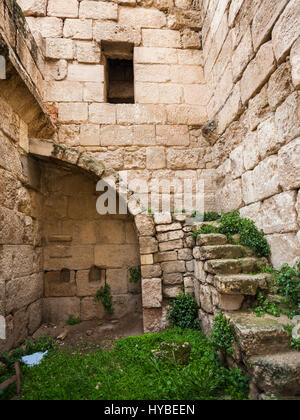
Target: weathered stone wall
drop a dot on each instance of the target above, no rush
(251, 64)
(77, 240)
(160, 135)
(21, 269)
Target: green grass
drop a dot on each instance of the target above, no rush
(131, 372)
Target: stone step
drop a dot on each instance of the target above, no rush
(211, 239)
(241, 284)
(259, 336)
(277, 374)
(235, 266)
(216, 252)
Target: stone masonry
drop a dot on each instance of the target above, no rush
(216, 97)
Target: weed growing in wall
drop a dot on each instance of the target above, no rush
(265, 306)
(103, 295)
(183, 312)
(288, 284)
(232, 224)
(222, 337)
(73, 321)
(135, 274)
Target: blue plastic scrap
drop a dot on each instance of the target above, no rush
(34, 359)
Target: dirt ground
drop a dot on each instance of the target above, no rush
(97, 332)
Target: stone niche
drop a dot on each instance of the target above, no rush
(83, 250)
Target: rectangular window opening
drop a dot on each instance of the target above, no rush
(119, 73)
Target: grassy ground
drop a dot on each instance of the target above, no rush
(131, 372)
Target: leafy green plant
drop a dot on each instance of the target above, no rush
(288, 285)
(222, 337)
(295, 342)
(73, 321)
(205, 230)
(135, 274)
(211, 216)
(265, 306)
(183, 312)
(104, 295)
(131, 372)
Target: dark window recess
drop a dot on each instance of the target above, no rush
(65, 275)
(120, 81)
(96, 274)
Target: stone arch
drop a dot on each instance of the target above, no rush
(49, 151)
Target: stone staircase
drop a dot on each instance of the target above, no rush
(231, 275)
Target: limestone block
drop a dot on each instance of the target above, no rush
(48, 27)
(89, 309)
(173, 267)
(185, 158)
(166, 228)
(161, 38)
(251, 150)
(157, 73)
(289, 165)
(180, 19)
(237, 162)
(187, 74)
(268, 138)
(98, 10)
(252, 212)
(227, 302)
(89, 135)
(280, 85)
(193, 57)
(287, 118)
(151, 271)
(63, 91)
(78, 29)
(165, 256)
(186, 114)
(60, 8)
(145, 225)
(23, 291)
(185, 254)
(115, 135)
(152, 293)
(242, 55)
(85, 287)
(295, 63)
(257, 72)
(196, 94)
(170, 236)
(278, 213)
(2, 298)
(33, 7)
(117, 280)
(102, 113)
(172, 292)
(206, 299)
(110, 31)
(87, 52)
(111, 231)
(116, 256)
(172, 278)
(135, 158)
(230, 197)
(57, 286)
(140, 17)
(298, 208)
(258, 109)
(59, 48)
(286, 30)
(86, 72)
(171, 245)
(206, 320)
(231, 109)
(72, 112)
(152, 319)
(190, 39)
(147, 259)
(93, 92)
(150, 55)
(172, 135)
(11, 227)
(35, 312)
(285, 248)
(148, 245)
(264, 20)
(262, 182)
(58, 257)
